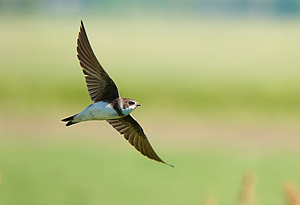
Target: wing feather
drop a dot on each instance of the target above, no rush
(135, 135)
(100, 86)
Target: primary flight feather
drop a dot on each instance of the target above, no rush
(108, 105)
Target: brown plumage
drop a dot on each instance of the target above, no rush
(135, 135)
(102, 89)
(100, 86)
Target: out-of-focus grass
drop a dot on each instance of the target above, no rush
(82, 173)
(183, 70)
(187, 65)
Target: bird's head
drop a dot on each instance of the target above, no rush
(128, 105)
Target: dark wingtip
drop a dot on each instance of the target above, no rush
(170, 165)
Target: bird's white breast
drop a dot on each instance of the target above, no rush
(103, 111)
(97, 111)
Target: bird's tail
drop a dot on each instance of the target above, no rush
(69, 120)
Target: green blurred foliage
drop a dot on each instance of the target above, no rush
(83, 173)
(263, 8)
(183, 65)
(186, 72)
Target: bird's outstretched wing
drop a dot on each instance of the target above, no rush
(100, 86)
(135, 135)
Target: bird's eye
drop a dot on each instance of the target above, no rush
(131, 103)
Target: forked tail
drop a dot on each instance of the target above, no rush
(69, 120)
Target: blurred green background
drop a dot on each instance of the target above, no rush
(219, 83)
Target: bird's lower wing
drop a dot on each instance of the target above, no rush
(135, 135)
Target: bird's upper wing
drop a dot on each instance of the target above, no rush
(100, 86)
(134, 133)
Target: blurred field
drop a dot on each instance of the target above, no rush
(227, 65)
(226, 94)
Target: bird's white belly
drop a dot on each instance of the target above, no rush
(97, 111)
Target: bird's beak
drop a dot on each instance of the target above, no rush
(138, 105)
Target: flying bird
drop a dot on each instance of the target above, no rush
(108, 105)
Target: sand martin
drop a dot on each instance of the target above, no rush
(108, 105)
